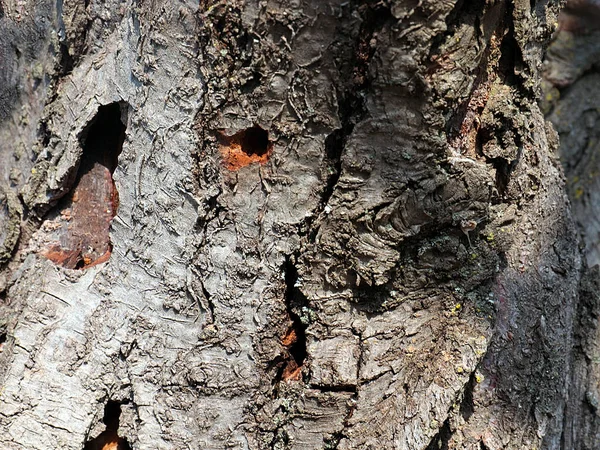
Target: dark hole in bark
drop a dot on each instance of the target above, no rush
(109, 438)
(467, 407)
(441, 439)
(86, 214)
(66, 60)
(502, 174)
(245, 147)
(102, 140)
(510, 58)
(2, 340)
(255, 141)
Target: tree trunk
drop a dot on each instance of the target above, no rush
(283, 224)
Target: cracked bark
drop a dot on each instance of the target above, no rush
(340, 225)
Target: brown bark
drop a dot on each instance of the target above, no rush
(341, 225)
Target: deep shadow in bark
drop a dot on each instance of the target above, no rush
(109, 439)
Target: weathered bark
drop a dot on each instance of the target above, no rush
(340, 225)
(570, 98)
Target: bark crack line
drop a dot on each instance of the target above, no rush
(351, 89)
(295, 338)
(441, 440)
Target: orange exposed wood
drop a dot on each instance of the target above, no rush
(79, 232)
(107, 440)
(292, 372)
(85, 221)
(289, 338)
(242, 149)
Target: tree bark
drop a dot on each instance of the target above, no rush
(570, 84)
(339, 225)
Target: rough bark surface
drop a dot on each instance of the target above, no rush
(571, 83)
(340, 225)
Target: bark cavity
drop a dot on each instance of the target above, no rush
(78, 231)
(109, 439)
(245, 147)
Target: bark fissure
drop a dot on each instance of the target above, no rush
(441, 440)
(467, 406)
(351, 91)
(295, 339)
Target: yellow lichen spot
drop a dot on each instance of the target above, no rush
(479, 378)
(33, 171)
(490, 237)
(578, 193)
(459, 369)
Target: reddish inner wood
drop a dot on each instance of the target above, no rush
(86, 213)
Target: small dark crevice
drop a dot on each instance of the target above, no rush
(369, 297)
(511, 61)
(467, 406)
(102, 138)
(125, 351)
(349, 388)
(66, 63)
(509, 55)
(3, 337)
(252, 83)
(503, 170)
(334, 147)
(289, 364)
(209, 303)
(295, 301)
(248, 146)
(482, 446)
(44, 133)
(442, 439)
(109, 438)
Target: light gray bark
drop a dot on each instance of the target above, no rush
(397, 267)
